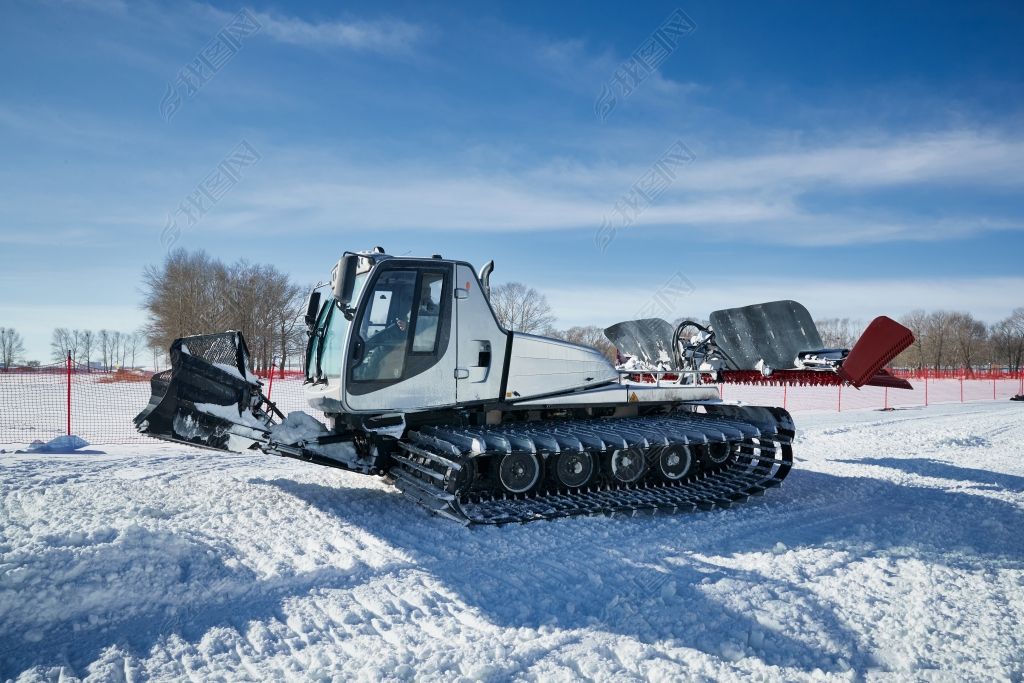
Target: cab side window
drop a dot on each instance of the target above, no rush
(428, 313)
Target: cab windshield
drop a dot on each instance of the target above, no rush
(326, 347)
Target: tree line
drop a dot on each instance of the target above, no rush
(945, 340)
(108, 349)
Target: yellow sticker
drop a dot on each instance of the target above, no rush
(633, 398)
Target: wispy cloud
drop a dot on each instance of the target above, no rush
(954, 156)
(578, 68)
(756, 198)
(855, 161)
(384, 35)
(389, 35)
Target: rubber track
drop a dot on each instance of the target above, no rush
(429, 470)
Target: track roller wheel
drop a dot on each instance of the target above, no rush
(716, 453)
(466, 477)
(519, 471)
(573, 469)
(627, 465)
(675, 462)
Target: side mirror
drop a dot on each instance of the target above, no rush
(343, 279)
(312, 308)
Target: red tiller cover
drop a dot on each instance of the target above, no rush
(882, 341)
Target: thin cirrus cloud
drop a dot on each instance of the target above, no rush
(763, 195)
(377, 36)
(487, 204)
(969, 156)
(961, 156)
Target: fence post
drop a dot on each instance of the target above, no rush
(270, 387)
(68, 364)
(839, 402)
(993, 388)
(721, 391)
(961, 389)
(926, 391)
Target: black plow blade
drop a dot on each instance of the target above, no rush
(209, 397)
(649, 339)
(774, 332)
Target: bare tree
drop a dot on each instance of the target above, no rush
(839, 333)
(969, 336)
(915, 321)
(61, 344)
(12, 347)
(1008, 341)
(135, 340)
(937, 335)
(587, 335)
(192, 293)
(159, 355)
(86, 342)
(75, 343)
(122, 348)
(521, 308)
(104, 339)
(181, 296)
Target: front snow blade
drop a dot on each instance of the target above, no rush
(209, 397)
(882, 341)
(649, 339)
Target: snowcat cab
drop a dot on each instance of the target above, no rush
(408, 335)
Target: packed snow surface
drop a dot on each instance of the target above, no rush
(894, 551)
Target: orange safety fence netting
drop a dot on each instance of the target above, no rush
(33, 401)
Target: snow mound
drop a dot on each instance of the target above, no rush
(59, 445)
(298, 426)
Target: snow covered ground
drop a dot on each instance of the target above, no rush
(894, 551)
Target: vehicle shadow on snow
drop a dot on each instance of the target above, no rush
(657, 578)
(134, 590)
(927, 467)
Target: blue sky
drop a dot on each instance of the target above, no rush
(863, 158)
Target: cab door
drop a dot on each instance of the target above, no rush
(402, 352)
(481, 341)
